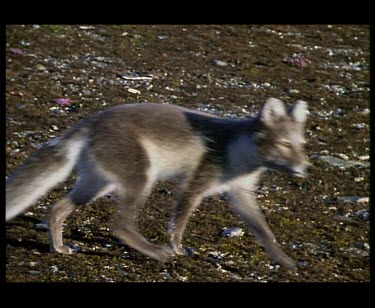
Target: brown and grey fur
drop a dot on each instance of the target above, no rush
(126, 149)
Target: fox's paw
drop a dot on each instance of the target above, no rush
(184, 251)
(65, 249)
(162, 253)
(287, 262)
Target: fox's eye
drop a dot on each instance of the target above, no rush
(284, 143)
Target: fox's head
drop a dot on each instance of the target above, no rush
(281, 136)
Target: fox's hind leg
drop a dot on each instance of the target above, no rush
(60, 211)
(90, 185)
(125, 221)
(126, 161)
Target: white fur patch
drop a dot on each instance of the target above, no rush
(167, 162)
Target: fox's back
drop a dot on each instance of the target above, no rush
(152, 120)
(160, 132)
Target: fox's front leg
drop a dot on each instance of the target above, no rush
(191, 194)
(244, 204)
(184, 208)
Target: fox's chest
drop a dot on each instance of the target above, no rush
(168, 161)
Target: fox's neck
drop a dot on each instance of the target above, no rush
(221, 130)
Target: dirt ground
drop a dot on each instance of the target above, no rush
(229, 70)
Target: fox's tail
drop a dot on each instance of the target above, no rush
(49, 166)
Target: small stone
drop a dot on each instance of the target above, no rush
(360, 245)
(134, 91)
(217, 255)
(40, 67)
(353, 199)
(232, 232)
(359, 179)
(21, 106)
(338, 162)
(303, 264)
(364, 157)
(54, 269)
(42, 226)
(32, 272)
(165, 275)
(16, 51)
(220, 63)
(363, 214)
(63, 101)
(365, 111)
(360, 125)
(330, 52)
(293, 91)
(189, 251)
(86, 27)
(343, 156)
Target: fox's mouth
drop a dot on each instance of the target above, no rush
(297, 171)
(298, 174)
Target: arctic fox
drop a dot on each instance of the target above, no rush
(128, 148)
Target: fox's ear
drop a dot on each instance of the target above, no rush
(272, 110)
(299, 111)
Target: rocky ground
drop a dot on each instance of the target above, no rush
(56, 75)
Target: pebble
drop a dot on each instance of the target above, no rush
(293, 91)
(42, 226)
(342, 156)
(338, 162)
(86, 27)
(330, 52)
(32, 272)
(217, 255)
(337, 89)
(40, 67)
(365, 111)
(126, 77)
(354, 252)
(16, 51)
(21, 106)
(364, 246)
(364, 157)
(232, 232)
(297, 246)
(363, 214)
(165, 275)
(220, 63)
(303, 264)
(134, 91)
(360, 125)
(54, 269)
(353, 199)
